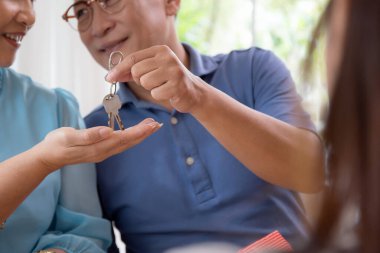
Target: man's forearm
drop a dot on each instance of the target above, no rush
(275, 151)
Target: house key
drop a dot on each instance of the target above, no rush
(112, 105)
(111, 101)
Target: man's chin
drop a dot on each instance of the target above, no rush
(103, 62)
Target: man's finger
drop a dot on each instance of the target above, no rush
(122, 71)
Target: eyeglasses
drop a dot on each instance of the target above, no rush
(80, 14)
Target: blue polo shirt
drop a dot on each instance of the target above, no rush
(180, 186)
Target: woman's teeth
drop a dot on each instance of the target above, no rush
(17, 38)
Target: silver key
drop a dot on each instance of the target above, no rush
(111, 102)
(112, 105)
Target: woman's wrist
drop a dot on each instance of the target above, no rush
(39, 157)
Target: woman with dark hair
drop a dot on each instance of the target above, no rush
(350, 214)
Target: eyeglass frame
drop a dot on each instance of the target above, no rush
(88, 3)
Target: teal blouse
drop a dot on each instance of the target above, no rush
(63, 211)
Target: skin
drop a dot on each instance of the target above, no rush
(156, 69)
(15, 23)
(21, 174)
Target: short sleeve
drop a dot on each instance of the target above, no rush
(79, 191)
(275, 93)
(68, 110)
(78, 224)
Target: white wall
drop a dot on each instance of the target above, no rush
(53, 54)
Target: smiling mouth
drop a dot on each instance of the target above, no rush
(113, 47)
(16, 38)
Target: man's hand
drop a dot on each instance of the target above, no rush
(66, 145)
(159, 71)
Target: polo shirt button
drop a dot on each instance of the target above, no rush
(174, 121)
(189, 161)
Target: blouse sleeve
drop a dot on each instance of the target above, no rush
(77, 226)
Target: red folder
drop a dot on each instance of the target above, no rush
(273, 241)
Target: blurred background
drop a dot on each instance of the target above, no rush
(54, 56)
(283, 26)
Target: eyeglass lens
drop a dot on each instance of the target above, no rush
(80, 14)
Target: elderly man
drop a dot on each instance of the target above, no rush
(235, 147)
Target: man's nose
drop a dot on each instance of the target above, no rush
(101, 22)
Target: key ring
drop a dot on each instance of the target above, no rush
(111, 65)
(113, 89)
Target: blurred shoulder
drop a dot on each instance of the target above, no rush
(253, 59)
(17, 84)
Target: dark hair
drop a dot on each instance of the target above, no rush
(352, 131)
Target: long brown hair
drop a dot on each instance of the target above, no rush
(352, 132)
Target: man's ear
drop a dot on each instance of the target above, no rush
(172, 7)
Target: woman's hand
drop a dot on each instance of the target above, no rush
(66, 145)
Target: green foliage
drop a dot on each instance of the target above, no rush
(283, 26)
(215, 26)
(192, 22)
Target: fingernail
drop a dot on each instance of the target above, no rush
(149, 121)
(105, 132)
(155, 125)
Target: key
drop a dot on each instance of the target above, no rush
(111, 102)
(112, 105)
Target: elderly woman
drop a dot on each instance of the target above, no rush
(42, 208)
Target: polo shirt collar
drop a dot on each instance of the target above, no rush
(200, 65)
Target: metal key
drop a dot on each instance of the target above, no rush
(112, 105)
(111, 102)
